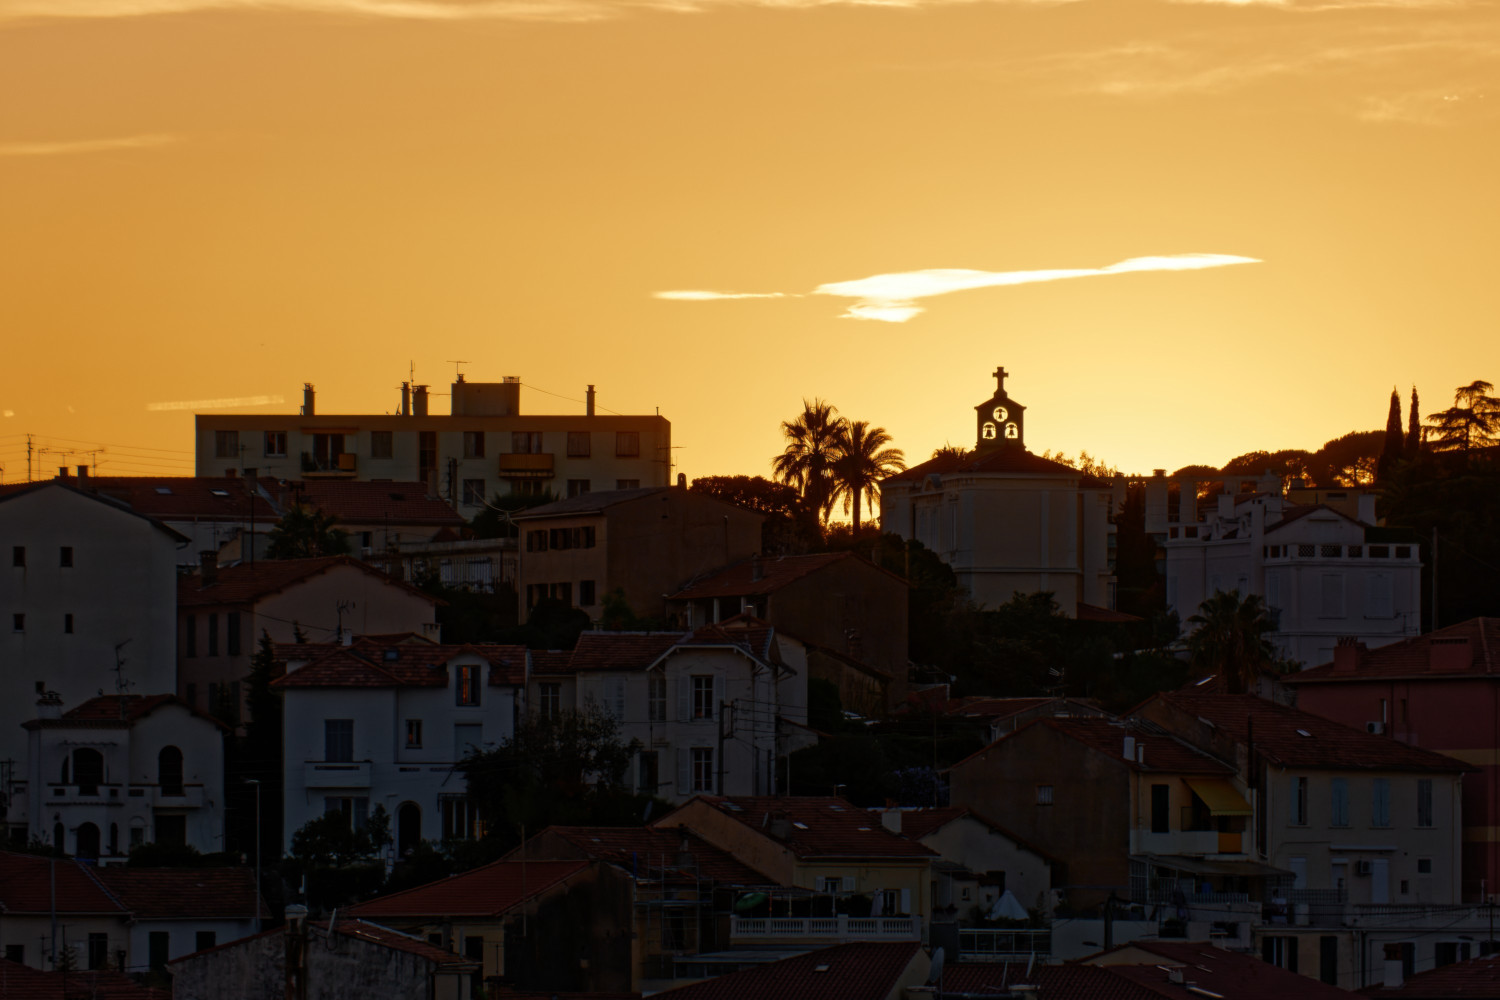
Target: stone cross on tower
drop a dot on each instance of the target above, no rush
(1000, 374)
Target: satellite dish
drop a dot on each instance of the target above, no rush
(936, 973)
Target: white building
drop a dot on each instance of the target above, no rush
(1005, 520)
(116, 772)
(706, 706)
(1323, 573)
(383, 723)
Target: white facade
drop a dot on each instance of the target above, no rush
(98, 786)
(1315, 568)
(353, 747)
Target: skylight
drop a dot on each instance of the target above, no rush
(219, 493)
(1304, 732)
(165, 491)
(799, 824)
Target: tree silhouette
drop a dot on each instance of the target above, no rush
(807, 461)
(305, 533)
(1229, 639)
(1413, 428)
(862, 461)
(1471, 422)
(953, 451)
(1390, 452)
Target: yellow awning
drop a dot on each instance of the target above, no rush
(1220, 797)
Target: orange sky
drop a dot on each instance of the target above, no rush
(217, 199)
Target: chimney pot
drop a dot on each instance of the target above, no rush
(1346, 655)
(419, 401)
(83, 472)
(589, 402)
(405, 399)
(308, 399)
(62, 472)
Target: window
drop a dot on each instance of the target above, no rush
(65, 557)
(18, 622)
(18, 556)
(467, 738)
(1044, 795)
(169, 771)
(703, 696)
(1380, 802)
(474, 492)
(381, 444)
(561, 592)
(650, 773)
(355, 810)
(338, 741)
(158, 945)
(469, 675)
(1281, 951)
(536, 541)
(459, 820)
(627, 484)
(585, 592)
(526, 442)
(549, 700)
(1328, 959)
(1448, 952)
(190, 636)
(1160, 808)
(1299, 801)
(627, 444)
(1378, 596)
(426, 455)
(15, 953)
(656, 698)
(579, 444)
(204, 940)
(413, 734)
(273, 443)
(232, 623)
(1424, 801)
(1424, 866)
(68, 624)
(473, 444)
(703, 769)
(99, 951)
(1338, 809)
(577, 487)
(830, 884)
(213, 635)
(226, 444)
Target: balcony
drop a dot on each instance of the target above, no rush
(742, 930)
(186, 797)
(994, 944)
(319, 774)
(526, 466)
(101, 794)
(343, 465)
(1191, 842)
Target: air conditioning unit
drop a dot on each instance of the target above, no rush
(1362, 867)
(1374, 728)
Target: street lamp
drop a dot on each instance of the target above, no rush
(255, 896)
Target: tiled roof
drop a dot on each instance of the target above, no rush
(370, 663)
(1001, 460)
(739, 580)
(487, 891)
(918, 823)
(1293, 514)
(364, 930)
(860, 971)
(1478, 977)
(1159, 751)
(1228, 974)
(21, 982)
(646, 848)
(620, 650)
(1298, 739)
(1069, 982)
(183, 893)
(183, 498)
(751, 635)
(362, 502)
(588, 503)
(26, 882)
(1413, 657)
(552, 661)
(817, 826)
(15, 490)
(247, 583)
(105, 712)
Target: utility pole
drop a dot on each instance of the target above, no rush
(29, 450)
(726, 714)
(1434, 580)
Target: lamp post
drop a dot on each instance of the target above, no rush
(255, 896)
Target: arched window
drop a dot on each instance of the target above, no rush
(408, 828)
(169, 771)
(87, 843)
(88, 771)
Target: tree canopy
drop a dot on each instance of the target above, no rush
(305, 532)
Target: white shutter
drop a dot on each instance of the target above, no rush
(906, 901)
(718, 694)
(684, 772)
(684, 699)
(618, 683)
(590, 689)
(848, 883)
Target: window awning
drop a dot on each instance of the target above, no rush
(1220, 796)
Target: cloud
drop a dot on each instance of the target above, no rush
(215, 404)
(69, 148)
(10, 413)
(892, 298)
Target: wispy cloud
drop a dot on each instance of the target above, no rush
(892, 298)
(76, 146)
(215, 404)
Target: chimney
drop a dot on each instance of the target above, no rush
(419, 401)
(1395, 971)
(682, 480)
(891, 820)
(62, 472)
(1367, 508)
(308, 409)
(589, 402)
(1346, 655)
(781, 826)
(405, 399)
(83, 472)
(1449, 655)
(49, 705)
(208, 567)
(1130, 748)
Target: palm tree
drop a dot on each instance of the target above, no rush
(863, 461)
(954, 451)
(811, 447)
(1230, 638)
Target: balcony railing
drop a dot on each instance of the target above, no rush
(993, 944)
(827, 928)
(322, 774)
(187, 797)
(526, 466)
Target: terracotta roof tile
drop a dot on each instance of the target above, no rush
(1297, 739)
(1072, 982)
(21, 982)
(1005, 460)
(25, 886)
(370, 663)
(1160, 752)
(859, 971)
(1229, 974)
(620, 650)
(364, 930)
(1477, 640)
(183, 893)
(552, 661)
(739, 580)
(588, 503)
(247, 583)
(183, 498)
(1478, 977)
(104, 712)
(363, 502)
(487, 891)
(817, 826)
(646, 848)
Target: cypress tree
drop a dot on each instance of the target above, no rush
(1413, 428)
(1390, 454)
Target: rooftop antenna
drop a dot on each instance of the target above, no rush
(458, 376)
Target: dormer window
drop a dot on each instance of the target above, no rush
(468, 684)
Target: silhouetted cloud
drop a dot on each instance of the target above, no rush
(73, 147)
(216, 404)
(892, 298)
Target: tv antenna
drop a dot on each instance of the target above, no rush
(458, 376)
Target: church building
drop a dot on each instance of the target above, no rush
(1006, 520)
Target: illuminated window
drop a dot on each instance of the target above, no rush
(273, 443)
(468, 684)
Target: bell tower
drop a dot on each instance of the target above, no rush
(1001, 420)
